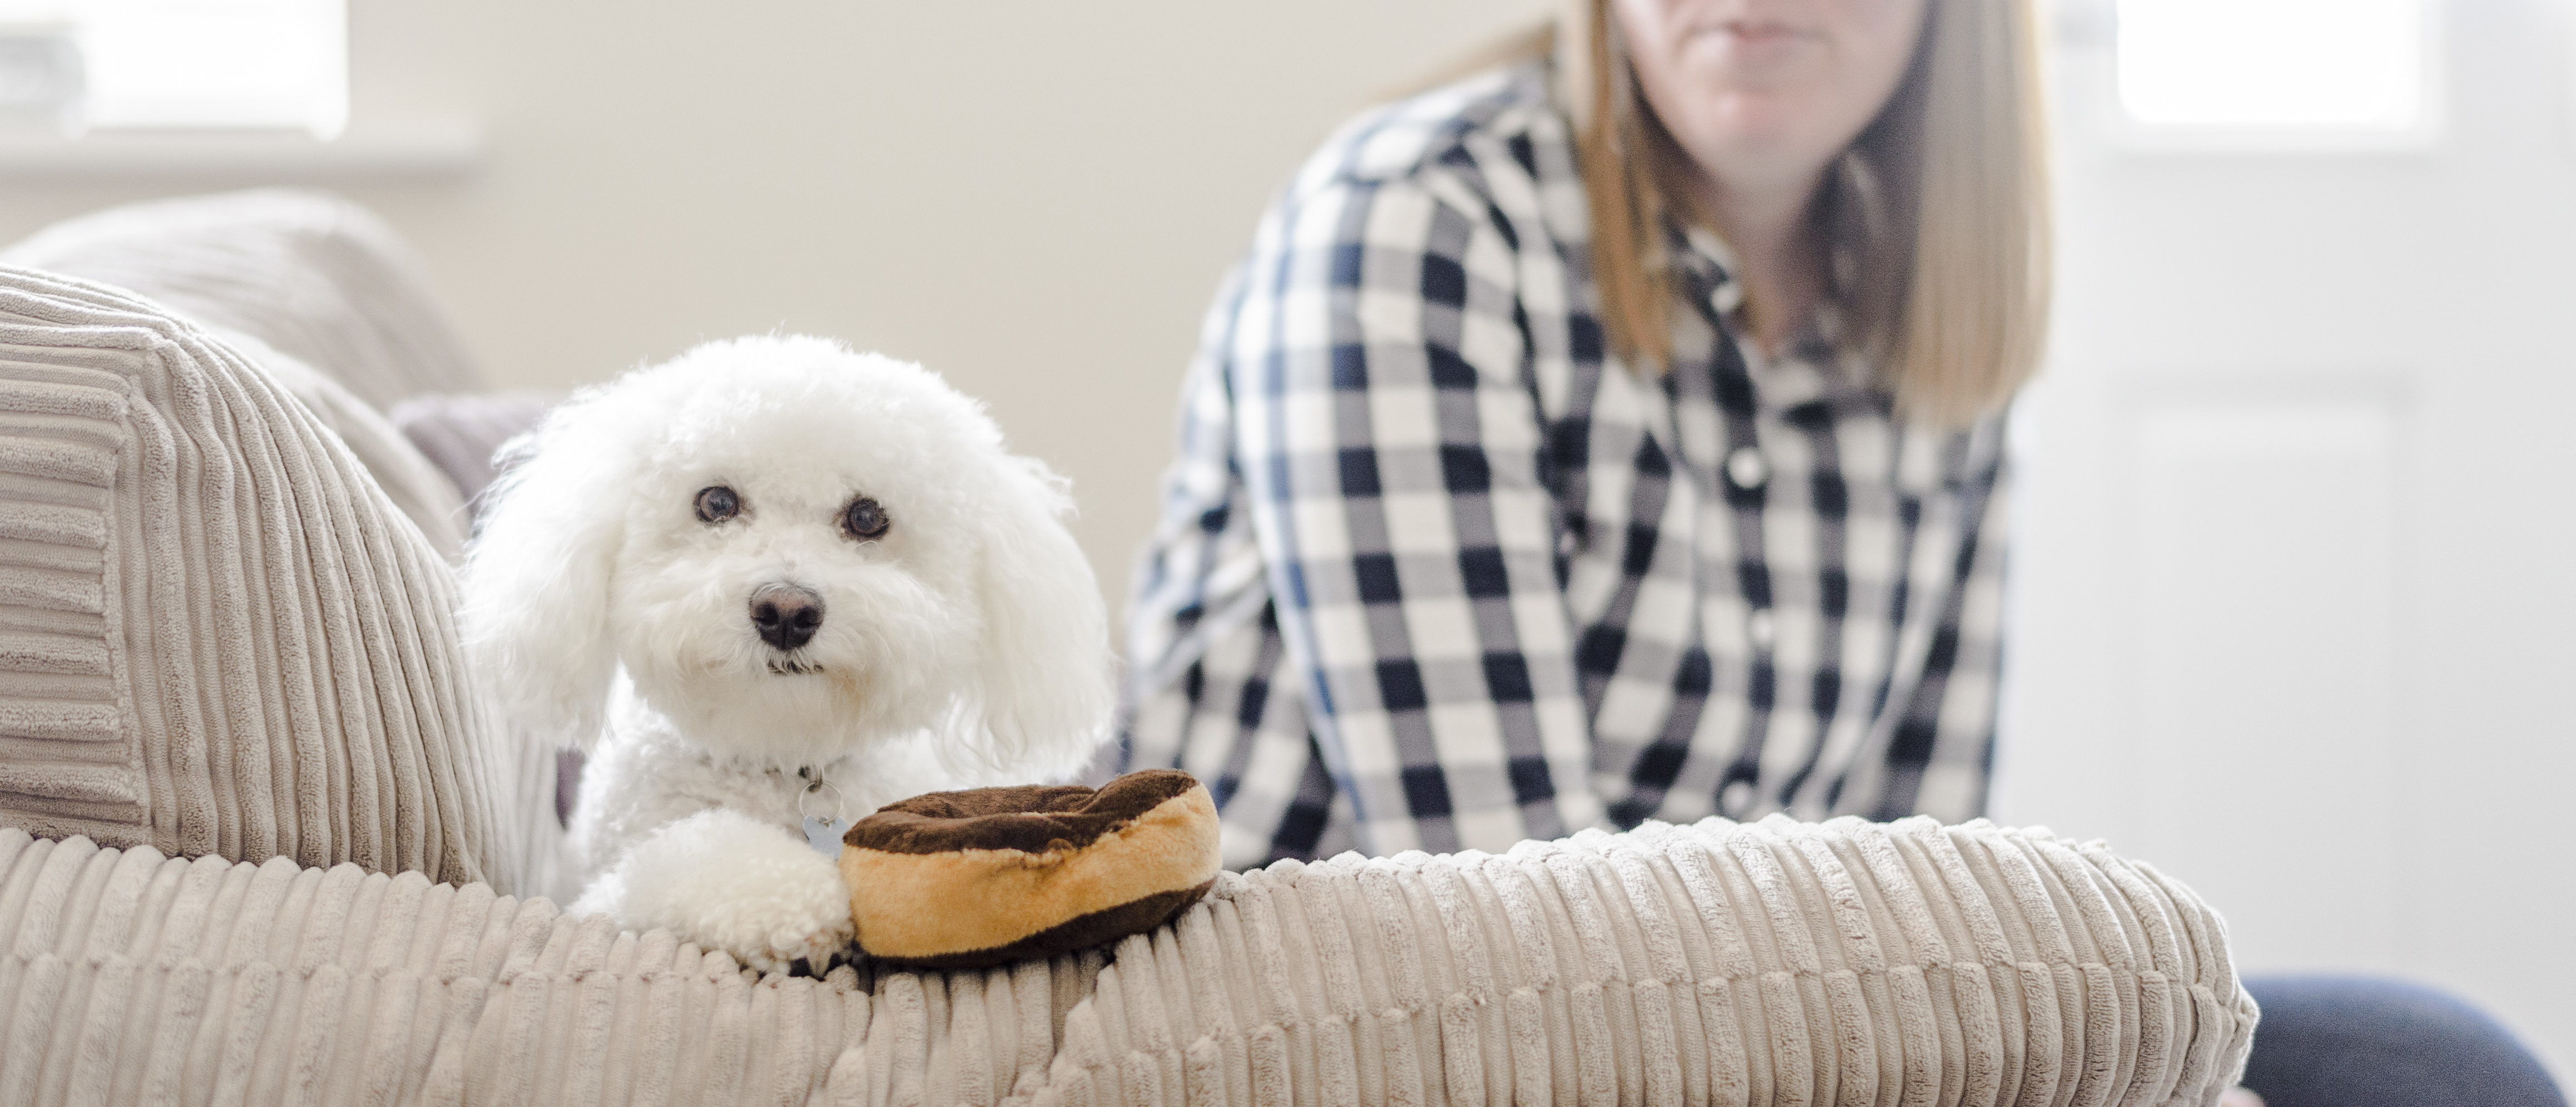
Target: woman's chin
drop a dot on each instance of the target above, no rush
(1758, 145)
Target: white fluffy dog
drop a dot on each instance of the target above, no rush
(775, 581)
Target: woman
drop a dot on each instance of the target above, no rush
(1614, 436)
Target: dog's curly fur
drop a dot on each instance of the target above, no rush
(965, 645)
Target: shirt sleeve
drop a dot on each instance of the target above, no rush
(1391, 443)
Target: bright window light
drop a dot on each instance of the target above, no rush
(200, 64)
(2270, 65)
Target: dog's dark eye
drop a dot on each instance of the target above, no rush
(865, 520)
(717, 504)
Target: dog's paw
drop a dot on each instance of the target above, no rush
(812, 939)
(729, 882)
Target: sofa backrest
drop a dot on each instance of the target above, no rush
(319, 278)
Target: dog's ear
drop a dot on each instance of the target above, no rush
(535, 613)
(1044, 683)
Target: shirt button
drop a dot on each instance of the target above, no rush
(1747, 468)
(1761, 628)
(1727, 297)
(1736, 801)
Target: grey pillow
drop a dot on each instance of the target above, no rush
(460, 434)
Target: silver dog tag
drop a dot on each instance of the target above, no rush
(821, 833)
(825, 836)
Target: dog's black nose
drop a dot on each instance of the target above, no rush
(787, 615)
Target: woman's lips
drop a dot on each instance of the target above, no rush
(1756, 32)
(1755, 43)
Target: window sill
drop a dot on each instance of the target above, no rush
(426, 148)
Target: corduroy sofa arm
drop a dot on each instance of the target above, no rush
(1769, 963)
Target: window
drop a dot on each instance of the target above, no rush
(278, 65)
(2269, 68)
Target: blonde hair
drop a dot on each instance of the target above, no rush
(1936, 217)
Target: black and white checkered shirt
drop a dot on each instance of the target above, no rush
(1437, 572)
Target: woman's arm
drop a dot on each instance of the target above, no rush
(1390, 441)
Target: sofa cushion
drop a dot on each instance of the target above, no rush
(415, 485)
(217, 636)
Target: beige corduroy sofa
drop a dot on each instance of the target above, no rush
(265, 843)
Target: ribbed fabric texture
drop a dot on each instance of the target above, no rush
(1774, 963)
(410, 480)
(216, 635)
(316, 276)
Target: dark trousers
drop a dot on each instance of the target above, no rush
(2340, 1041)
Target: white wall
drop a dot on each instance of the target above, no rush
(2292, 613)
(1035, 199)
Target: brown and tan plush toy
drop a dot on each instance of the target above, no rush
(958, 880)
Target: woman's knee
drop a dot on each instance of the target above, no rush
(2349, 1041)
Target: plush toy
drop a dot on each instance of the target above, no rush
(958, 880)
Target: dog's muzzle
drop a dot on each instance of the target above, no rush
(786, 615)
